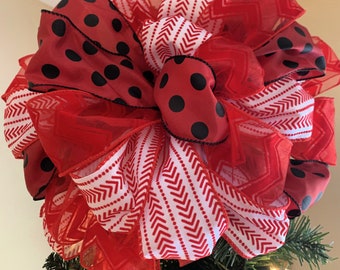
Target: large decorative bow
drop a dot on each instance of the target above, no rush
(156, 132)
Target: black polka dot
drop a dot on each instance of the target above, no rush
(290, 64)
(91, 20)
(89, 48)
(149, 76)
(320, 174)
(164, 80)
(320, 62)
(127, 63)
(298, 173)
(308, 48)
(117, 25)
(176, 103)
(179, 59)
(25, 159)
(62, 4)
(198, 81)
(284, 43)
(219, 109)
(111, 72)
(303, 72)
(299, 31)
(72, 55)
(200, 130)
(50, 71)
(294, 213)
(46, 165)
(306, 202)
(296, 162)
(123, 48)
(135, 92)
(135, 37)
(90, 1)
(120, 101)
(98, 79)
(59, 27)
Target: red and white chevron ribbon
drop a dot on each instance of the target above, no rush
(168, 37)
(18, 126)
(284, 105)
(181, 212)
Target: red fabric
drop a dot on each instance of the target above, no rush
(245, 157)
(255, 22)
(234, 64)
(187, 93)
(305, 185)
(252, 23)
(19, 82)
(321, 146)
(193, 110)
(108, 68)
(37, 177)
(202, 201)
(85, 127)
(73, 231)
(331, 79)
(293, 52)
(18, 128)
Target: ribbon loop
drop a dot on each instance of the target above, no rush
(168, 37)
(238, 72)
(184, 94)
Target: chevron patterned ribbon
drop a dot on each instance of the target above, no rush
(152, 132)
(168, 37)
(18, 127)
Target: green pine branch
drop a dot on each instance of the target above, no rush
(55, 262)
(305, 244)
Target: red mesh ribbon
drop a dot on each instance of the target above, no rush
(218, 165)
(321, 146)
(18, 127)
(77, 127)
(252, 23)
(234, 64)
(73, 231)
(331, 79)
(249, 164)
(37, 177)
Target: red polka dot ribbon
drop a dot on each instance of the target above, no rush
(184, 94)
(293, 52)
(305, 193)
(151, 133)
